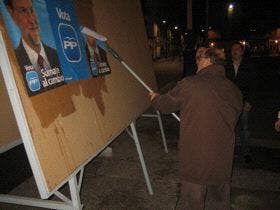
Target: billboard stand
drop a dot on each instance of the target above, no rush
(133, 134)
(74, 204)
(29, 147)
(158, 116)
(75, 186)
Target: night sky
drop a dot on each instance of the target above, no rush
(250, 17)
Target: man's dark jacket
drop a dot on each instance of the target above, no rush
(246, 79)
(208, 117)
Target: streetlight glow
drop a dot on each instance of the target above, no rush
(175, 27)
(230, 8)
(164, 21)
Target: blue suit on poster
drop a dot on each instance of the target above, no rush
(69, 42)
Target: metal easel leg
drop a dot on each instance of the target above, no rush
(67, 204)
(162, 131)
(80, 181)
(26, 201)
(146, 175)
(75, 194)
(158, 116)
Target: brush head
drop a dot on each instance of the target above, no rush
(92, 33)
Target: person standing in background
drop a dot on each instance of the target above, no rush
(241, 72)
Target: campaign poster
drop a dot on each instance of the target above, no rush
(69, 40)
(49, 49)
(32, 40)
(97, 57)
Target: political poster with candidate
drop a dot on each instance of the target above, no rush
(70, 44)
(48, 46)
(97, 56)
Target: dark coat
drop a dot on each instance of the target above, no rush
(23, 61)
(246, 79)
(209, 107)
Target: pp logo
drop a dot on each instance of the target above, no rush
(69, 42)
(33, 81)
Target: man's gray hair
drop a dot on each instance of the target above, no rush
(216, 55)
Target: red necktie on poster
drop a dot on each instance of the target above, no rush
(96, 55)
(40, 61)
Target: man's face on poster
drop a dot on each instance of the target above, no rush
(91, 41)
(24, 16)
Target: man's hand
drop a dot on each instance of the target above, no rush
(153, 95)
(277, 125)
(247, 107)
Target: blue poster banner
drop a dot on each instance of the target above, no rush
(69, 41)
(45, 36)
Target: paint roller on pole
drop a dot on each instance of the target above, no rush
(102, 38)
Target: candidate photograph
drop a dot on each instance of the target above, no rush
(39, 63)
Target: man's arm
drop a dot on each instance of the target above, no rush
(169, 102)
(164, 103)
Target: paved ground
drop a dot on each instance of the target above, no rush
(117, 182)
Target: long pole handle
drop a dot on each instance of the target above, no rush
(116, 55)
(94, 34)
(136, 76)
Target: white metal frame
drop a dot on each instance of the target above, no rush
(134, 136)
(30, 150)
(158, 116)
(9, 146)
(21, 119)
(74, 203)
(65, 204)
